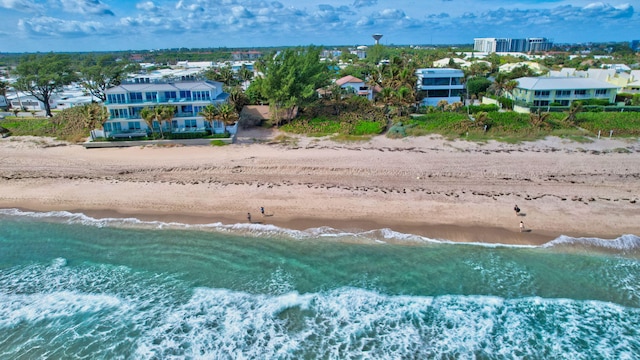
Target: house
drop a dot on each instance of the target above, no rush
(534, 66)
(543, 91)
(126, 101)
(352, 83)
(437, 84)
(443, 63)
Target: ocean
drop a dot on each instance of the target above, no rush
(74, 287)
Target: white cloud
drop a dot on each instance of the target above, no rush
(53, 27)
(21, 5)
(148, 6)
(92, 7)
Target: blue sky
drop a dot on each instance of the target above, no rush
(102, 25)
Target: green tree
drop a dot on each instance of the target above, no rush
(237, 98)
(227, 114)
(160, 114)
(94, 115)
(210, 113)
(99, 74)
(44, 75)
(477, 86)
(223, 74)
(149, 116)
(244, 74)
(290, 79)
(574, 109)
(3, 88)
(538, 119)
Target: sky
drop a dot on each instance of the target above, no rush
(113, 25)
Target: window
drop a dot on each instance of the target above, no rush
(151, 96)
(190, 124)
(135, 111)
(119, 113)
(580, 92)
(563, 93)
(438, 93)
(601, 91)
(134, 125)
(135, 97)
(174, 124)
(185, 94)
(201, 95)
(117, 98)
(436, 81)
(198, 109)
(540, 102)
(457, 92)
(169, 95)
(542, 93)
(107, 127)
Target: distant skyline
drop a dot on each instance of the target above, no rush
(110, 25)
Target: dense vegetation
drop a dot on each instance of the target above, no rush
(72, 124)
(290, 78)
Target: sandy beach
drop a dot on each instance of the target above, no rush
(429, 186)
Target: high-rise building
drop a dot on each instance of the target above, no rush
(511, 45)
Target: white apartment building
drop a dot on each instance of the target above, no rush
(501, 45)
(438, 84)
(126, 101)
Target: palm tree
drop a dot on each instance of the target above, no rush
(227, 114)
(166, 113)
(244, 74)
(3, 88)
(94, 114)
(574, 109)
(442, 104)
(539, 119)
(237, 98)
(149, 115)
(405, 97)
(210, 113)
(510, 85)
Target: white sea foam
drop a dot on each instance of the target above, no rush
(379, 236)
(624, 242)
(124, 314)
(350, 322)
(47, 306)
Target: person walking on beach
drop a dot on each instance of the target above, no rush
(262, 210)
(249, 217)
(521, 226)
(516, 209)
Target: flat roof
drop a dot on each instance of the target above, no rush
(562, 83)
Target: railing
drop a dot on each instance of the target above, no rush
(159, 100)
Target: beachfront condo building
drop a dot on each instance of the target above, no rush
(126, 101)
(437, 84)
(501, 45)
(544, 91)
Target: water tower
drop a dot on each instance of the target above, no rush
(377, 37)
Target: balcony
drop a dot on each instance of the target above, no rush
(159, 100)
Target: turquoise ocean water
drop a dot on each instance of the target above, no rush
(76, 287)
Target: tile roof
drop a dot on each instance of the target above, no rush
(348, 79)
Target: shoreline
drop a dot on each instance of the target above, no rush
(427, 186)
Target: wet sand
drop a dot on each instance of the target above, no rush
(428, 186)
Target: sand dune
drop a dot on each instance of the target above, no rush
(456, 190)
